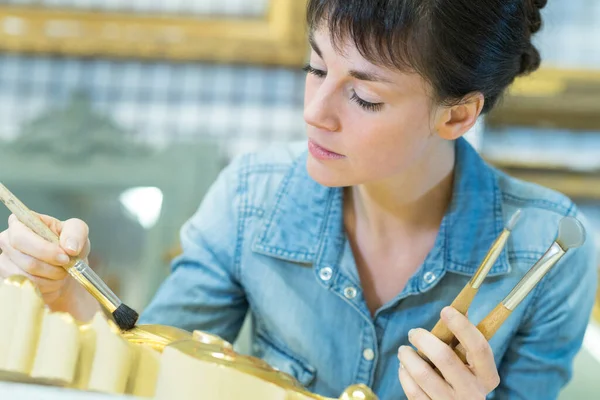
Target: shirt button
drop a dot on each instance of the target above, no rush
(326, 273)
(369, 354)
(350, 292)
(429, 277)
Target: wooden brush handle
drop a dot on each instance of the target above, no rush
(25, 215)
(29, 218)
(488, 327)
(462, 302)
(493, 321)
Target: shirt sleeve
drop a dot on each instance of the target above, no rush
(203, 291)
(538, 362)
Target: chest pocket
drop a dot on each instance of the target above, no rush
(283, 360)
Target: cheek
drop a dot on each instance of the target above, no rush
(390, 140)
(391, 131)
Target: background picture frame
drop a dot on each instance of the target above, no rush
(276, 38)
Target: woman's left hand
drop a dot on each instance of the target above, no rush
(459, 381)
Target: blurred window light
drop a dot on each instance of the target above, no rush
(13, 26)
(144, 204)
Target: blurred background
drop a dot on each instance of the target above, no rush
(123, 113)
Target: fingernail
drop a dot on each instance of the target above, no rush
(411, 333)
(72, 245)
(448, 313)
(63, 258)
(400, 351)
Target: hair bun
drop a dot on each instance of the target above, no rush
(530, 61)
(535, 16)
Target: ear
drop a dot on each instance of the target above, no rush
(453, 122)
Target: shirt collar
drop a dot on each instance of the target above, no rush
(306, 213)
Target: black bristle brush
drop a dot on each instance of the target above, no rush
(124, 316)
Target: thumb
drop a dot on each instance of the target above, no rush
(74, 236)
(54, 224)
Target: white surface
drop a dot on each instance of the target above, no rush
(591, 341)
(14, 391)
(585, 384)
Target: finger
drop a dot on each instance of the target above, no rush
(7, 267)
(45, 286)
(35, 267)
(422, 373)
(454, 371)
(50, 298)
(411, 388)
(74, 237)
(23, 239)
(3, 241)
(54, 224)
(479, 352)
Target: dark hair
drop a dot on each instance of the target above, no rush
(458, 46)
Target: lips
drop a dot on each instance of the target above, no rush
(322, 153)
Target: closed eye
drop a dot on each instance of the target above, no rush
(316, 72)
(373, 107)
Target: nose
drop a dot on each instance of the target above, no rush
(320, 110)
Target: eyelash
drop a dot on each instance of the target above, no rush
(373, 107)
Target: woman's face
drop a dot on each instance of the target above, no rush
(365, 123)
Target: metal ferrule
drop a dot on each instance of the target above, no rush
(94, 285)
(533, 276)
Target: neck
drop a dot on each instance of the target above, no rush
(412, 202)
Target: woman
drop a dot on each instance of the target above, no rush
(346, 252)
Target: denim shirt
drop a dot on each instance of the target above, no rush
(269, 240)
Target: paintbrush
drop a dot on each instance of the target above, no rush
(124, 316)
(463, 301)
(571, 234)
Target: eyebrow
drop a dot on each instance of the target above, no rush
(368, 76)
(314, 45)
(360, 75)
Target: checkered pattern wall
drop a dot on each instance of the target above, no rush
(571, 33)
(157, 101)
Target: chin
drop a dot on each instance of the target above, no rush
(327, 176)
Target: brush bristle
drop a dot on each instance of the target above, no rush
(125, 317)
(513, 220)
(571, 233)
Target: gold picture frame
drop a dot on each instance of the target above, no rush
(552, 98)
(277, 38)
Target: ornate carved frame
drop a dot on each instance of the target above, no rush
(277, 39)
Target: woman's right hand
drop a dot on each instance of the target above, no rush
(25, 253)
